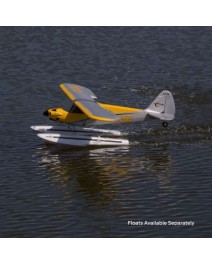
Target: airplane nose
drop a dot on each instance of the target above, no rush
(45, 113)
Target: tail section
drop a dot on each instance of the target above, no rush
(163, 107)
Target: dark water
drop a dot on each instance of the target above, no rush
(164, 175)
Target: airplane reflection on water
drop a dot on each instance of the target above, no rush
(101, 173)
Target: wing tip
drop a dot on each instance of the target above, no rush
(63, 87)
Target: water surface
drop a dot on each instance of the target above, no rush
(165, 174)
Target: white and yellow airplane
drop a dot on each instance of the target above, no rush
(86, 110)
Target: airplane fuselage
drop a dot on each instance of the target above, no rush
(125, 115)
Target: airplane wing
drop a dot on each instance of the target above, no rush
(84, 99)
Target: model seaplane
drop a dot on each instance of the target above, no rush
(87, 111)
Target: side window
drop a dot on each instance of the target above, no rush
(75, 109)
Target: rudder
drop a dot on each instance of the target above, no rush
(163, 107)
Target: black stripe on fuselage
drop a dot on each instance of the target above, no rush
(97, 140)
(130, 113)
(66, 130)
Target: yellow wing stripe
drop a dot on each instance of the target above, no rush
(118, 109)
(89, 114)
(67, 92)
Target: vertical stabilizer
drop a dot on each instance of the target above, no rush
(163, 107)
